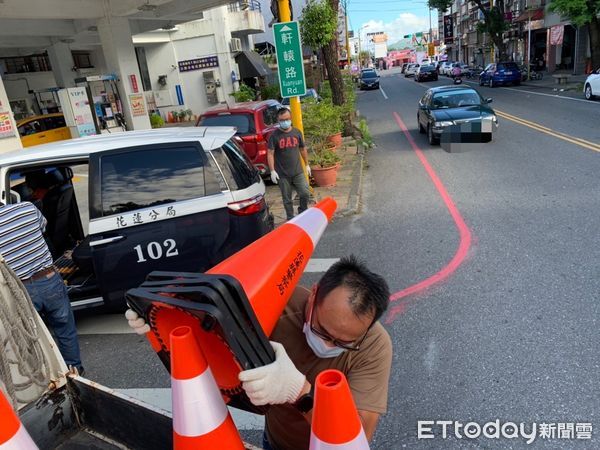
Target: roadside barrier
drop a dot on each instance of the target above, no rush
(200, 417)
(13, 435)
(335, 421)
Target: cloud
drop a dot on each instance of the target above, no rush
(405, 23)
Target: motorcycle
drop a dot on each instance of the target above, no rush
(457, 76)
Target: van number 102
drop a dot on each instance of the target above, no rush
(155, 251)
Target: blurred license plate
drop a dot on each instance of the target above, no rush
(508, 73)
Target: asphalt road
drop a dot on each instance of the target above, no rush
(496, 311)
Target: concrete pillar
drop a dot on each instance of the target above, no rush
(115, 37)
(8, 142)
(227, 63)
(62, 64)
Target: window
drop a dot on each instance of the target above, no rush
(270, 115)
(51, 123)
(82, 60)
(145, 178)
(31, 127)
(227, 168)
(242, 169)
(243, 122)
(23, 64)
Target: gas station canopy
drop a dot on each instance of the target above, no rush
(34, 25)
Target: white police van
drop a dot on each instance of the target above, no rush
(120, 206)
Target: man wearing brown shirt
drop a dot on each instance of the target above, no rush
(333, 326)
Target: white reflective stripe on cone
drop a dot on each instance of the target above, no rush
(313, 221)
(20, 441)
(198, 407)
(358, 443)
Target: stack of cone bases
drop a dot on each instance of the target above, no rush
(243, 296)
(13, 435)
(200, 418)
(335, 420)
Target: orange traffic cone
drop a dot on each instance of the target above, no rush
(269, 269)
(335, 421)
(13, 435)
(200, 417)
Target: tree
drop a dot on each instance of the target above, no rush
(582, 12)
(493, 21)
(318, 27)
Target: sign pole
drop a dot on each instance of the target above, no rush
(285, 15)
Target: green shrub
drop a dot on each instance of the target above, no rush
(245, 94)
(366, 139)
(270, 91)
(156, 121)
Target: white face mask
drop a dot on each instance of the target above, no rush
(318, 345)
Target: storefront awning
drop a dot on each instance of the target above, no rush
(251, 64)
(534, 14)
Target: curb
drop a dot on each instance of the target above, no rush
(356, 189)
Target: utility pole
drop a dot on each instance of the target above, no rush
(528, 41)
(345, 4)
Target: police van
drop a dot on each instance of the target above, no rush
(120, 206)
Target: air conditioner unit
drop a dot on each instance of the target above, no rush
(235, 45)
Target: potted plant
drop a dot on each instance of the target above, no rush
(323, 120)
(324, 163)
(188, 114)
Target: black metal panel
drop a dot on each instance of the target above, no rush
(120, 420)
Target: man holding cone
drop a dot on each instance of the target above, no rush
(333, 326)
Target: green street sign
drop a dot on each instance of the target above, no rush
(290, 64)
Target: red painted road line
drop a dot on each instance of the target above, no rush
(463, 230)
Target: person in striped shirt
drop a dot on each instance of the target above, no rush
(25, 251)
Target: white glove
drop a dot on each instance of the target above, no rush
(308, 172)
(274, 177)
(136, 322)
(273, 384)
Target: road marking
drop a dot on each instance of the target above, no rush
(536, 126)
(463, 230)
(555, 96)
(161, 398)
(383, 93)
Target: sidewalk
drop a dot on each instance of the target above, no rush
(549, 83)
(346, 192)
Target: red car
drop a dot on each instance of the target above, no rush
(255, 121)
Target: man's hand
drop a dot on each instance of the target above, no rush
(273, 384)
(308, 172)
(136, 322)
(274, 177)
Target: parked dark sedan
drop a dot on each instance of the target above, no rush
(369, 79)
(458, 107)
(426, 73)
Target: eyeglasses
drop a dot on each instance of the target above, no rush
(352, 346)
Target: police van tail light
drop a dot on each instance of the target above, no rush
(247, 207)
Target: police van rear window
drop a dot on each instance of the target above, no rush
(150, 177)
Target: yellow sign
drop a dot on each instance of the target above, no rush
(431, 49)
(137, 105)
(6, 128)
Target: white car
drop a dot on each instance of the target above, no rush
(445, 68)
(591, 87)
(411, 70)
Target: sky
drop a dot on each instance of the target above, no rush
(394, 17)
